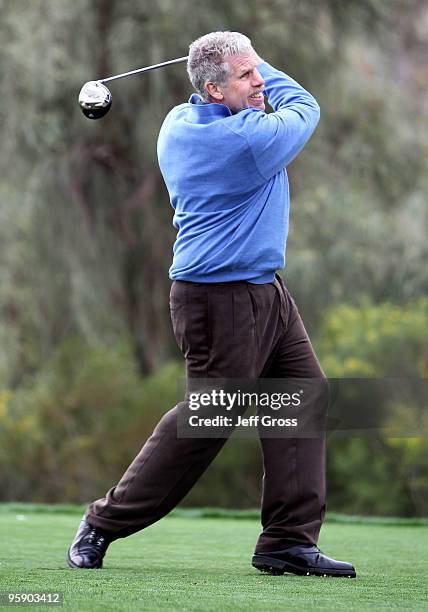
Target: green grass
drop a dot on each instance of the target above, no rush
(188, 562)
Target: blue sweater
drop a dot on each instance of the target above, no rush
(227, 182)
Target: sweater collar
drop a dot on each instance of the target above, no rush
(203, 112)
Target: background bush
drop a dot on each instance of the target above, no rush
(70, 431)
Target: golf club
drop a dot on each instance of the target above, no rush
(95, 98)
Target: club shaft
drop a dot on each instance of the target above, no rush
(146, 69)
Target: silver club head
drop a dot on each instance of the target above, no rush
(95, 100)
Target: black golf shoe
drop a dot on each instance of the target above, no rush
(303, 561)
(88, 548)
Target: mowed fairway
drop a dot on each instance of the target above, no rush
(191, 563)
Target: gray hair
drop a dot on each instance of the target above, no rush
(206, 58)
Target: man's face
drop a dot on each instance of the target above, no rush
(244, 85)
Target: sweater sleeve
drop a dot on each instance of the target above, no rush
(277, 138)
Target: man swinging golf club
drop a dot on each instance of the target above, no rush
(223, 160)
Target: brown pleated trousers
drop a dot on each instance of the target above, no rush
(228, 330)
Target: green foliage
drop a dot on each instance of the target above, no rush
(365, 477)
(380, 475)
(376, 340)
(70, 431)
(75, 425)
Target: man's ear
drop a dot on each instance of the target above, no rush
(214, 91)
